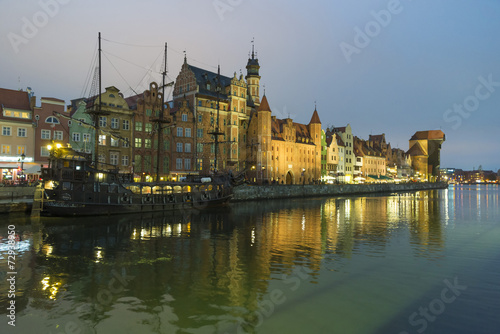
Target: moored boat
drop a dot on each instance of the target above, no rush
(73, 187)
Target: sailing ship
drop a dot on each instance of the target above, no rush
(75, 184)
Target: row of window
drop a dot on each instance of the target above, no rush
(21, 132)
(114, 123)
(114, 157)
(47, 134)
(6, 149)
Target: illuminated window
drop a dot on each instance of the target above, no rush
(138, 126)
(102, 141)
(6, 149)
(21, 150)
(138, 142)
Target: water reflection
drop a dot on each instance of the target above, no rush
(205, 270)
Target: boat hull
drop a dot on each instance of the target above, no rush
(68, 208)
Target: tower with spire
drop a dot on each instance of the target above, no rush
(253, 77)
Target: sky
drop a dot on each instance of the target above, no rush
(389, 66)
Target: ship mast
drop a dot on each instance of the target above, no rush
(160, 120)
(97, 113)
(216, 133)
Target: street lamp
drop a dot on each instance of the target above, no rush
(23, 156)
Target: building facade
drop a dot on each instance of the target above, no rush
(425, 152)
(17, 155)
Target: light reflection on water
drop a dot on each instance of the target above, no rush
(295, 266)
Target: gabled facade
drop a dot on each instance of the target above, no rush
(51, 128)
(147, 109)
(345, 133)
(219, 101)
(81, 133)
(17, 136)
(115, 130)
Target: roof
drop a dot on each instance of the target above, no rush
(416, 149)
(429, 135)
(264, 105)
(132, 101)
(315, 118)
(203, 76)
(15, 99)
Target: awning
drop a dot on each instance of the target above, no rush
(28, 167)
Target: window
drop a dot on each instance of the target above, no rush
(6, 131)
(199, 147)
(102, 140)
(22, 132)
(200, 133)
(137, 163)
(86, 137)
(102, 121)
(125, 124)
(199, 105)
(187, 147)
(166, 145)
(115, 123)
(148, 112)
(184, 117)
(124, 160)
(76, 136)
(147, 143)
(199, 164)
(179, 132)
(102, 158)
(114, 142)
(5, 149)
(45, 134)
(178, 163)
(138, 126)
(200, 117)
(187, 88)
(51, 120)
(166, 165)
(58, 135)
(179, 147)
(138, 142)
(113, 158)
(44, 152)
(21, 150)
(188, 132)
(187, 164)
(125, 143)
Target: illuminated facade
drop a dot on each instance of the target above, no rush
(115, 131)
(283, 151)
(17, 136)
(425, 152)
(345, 133)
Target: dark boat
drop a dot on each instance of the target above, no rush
(73, 187)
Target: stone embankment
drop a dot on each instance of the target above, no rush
(251, 192)
(16, 199)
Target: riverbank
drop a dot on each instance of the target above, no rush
(251, 192)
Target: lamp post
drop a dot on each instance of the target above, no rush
(23, 156)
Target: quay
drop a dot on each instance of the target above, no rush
(264, 192)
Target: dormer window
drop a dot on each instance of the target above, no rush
(208, 85)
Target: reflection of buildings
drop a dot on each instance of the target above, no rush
(213, 267)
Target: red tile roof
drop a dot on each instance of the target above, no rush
(315, 118)
(430, 134)
(264, 105)
(14, 99)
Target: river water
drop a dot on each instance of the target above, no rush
(422, 262)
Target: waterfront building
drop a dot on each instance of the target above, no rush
(335, 156)
(425, 152)
(52, 122)
(81, 132)
(183, 144)
(324, 156)
(17, 155)
(373, 166)
(345, 133)
(115, 130)
(281, 150)
(147, 108)
(219, 101)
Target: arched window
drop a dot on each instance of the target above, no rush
(52, 120)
